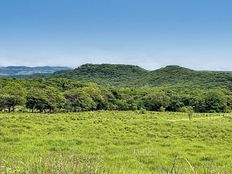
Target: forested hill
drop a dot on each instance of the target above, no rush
(16, 71)
(130, 75)
(104, 74)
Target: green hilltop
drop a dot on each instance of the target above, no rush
(105, 74)
(131, 75)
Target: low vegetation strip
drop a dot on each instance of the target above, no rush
(115, 142)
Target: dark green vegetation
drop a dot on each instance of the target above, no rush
(115, 142)
(22, 71)
(63, 95)
(118, 134)
(105, 74)
(131, 76)
(169, 89)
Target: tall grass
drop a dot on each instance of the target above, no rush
(115, 142)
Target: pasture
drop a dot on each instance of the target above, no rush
(115, 142)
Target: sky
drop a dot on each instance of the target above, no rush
(150, 33)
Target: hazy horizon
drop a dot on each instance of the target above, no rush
(148, 33)
(114, 64)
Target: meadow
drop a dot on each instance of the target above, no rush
(115, 142)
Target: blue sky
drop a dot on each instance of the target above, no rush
(149, 33)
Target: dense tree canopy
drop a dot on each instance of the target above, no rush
(12, 95)
(63, 95)
(134, 76)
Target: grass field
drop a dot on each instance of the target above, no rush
(115, 142)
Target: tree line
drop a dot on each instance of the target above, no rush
(63, 95)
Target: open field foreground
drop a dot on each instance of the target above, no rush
(115, 142)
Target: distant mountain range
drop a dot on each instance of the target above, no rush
(130, 75)
(26, 71)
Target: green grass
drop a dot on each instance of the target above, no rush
(115, 142)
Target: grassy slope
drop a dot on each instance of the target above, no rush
(128, 75)
(114, 142)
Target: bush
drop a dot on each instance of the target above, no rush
(142, 111)
(186, 109)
